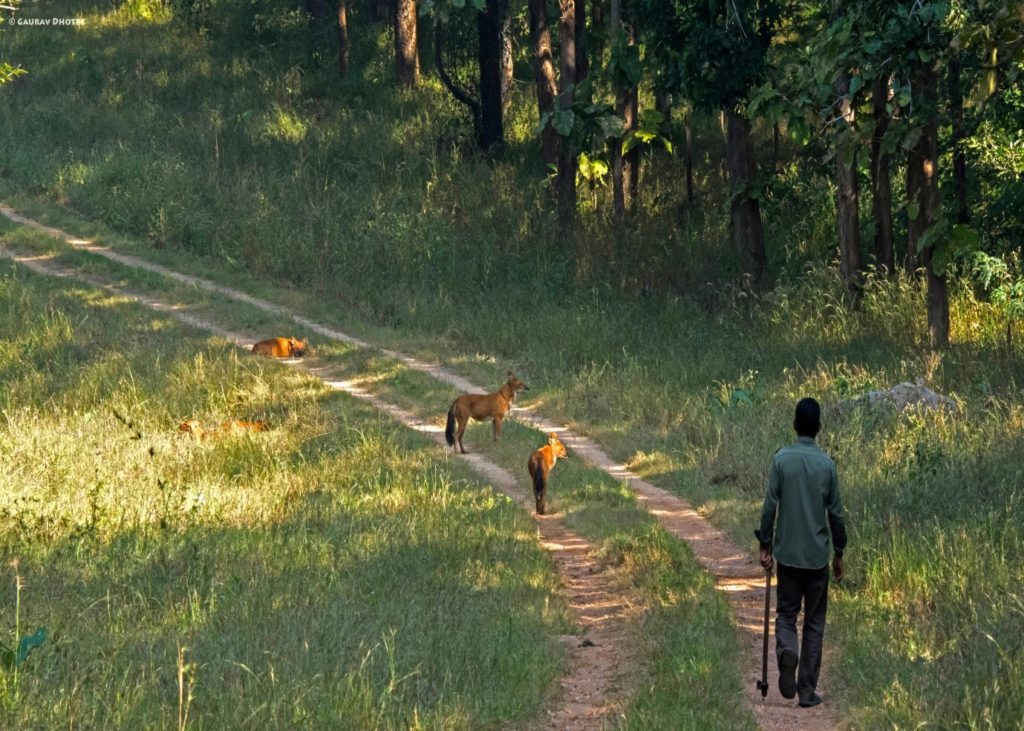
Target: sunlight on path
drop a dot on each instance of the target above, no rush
(598, 658)
(737, 575)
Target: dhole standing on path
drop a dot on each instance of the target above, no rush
(542, 461)
(493, 406)
(281, 347)
(801, 509)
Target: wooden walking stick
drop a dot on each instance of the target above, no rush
(762, 684)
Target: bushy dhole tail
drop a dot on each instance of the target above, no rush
(449, 430)
(538, 483)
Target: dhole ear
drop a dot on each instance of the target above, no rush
(511, 374)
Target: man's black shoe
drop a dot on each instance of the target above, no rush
(810, 702)
(788, 661)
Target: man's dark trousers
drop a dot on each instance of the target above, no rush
(809, 586)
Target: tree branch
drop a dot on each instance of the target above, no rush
(462, 95)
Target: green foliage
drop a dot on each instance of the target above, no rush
(648, 130)
(592, 171)
(712, 53)
(1003, 278)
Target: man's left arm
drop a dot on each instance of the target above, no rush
(836, 524)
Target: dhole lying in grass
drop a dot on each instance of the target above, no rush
(493, 406)
(542, 461)
(193, 426)
(281, 347)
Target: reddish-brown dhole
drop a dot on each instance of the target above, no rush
(542, 461)
(493, 406)
(281, 347)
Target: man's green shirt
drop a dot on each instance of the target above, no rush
(801, 504)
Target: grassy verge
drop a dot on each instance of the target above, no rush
(911, 481)
(686, 636)
(334, 567)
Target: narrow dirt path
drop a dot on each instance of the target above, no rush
(737, 575)
(598, 657)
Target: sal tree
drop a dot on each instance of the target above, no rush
(713, 54)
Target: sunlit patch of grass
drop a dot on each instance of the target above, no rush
(331, 567)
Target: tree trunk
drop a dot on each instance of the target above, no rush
(544, 76)
(881, 189)
(489, 54)
(745, 213)
(598, 17)
(343, 38)
(956, 118)
(924, 158)
(507, 51)
(565, 181)
(407, 62)
(776, 153)
(915, 219)
(624, 167)
(580, 35)
(689, 158)
(847, 211)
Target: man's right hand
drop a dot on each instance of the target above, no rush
(837, 568)
(766, 559)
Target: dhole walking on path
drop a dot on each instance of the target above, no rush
(493, 406)
(281, 347)
(542, 461)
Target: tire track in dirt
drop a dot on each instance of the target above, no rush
(737, 575)
(598, 657)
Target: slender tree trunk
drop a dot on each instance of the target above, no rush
(881, 188)
(544, 76)
(915, 219)
(956, 117)
(776, 154)
(407, 62)
(343, 38)
(598, 17)
(507, 55)
(689, 157)
(847, 210)
(624, 167)
(631, 161)
(924, 158)
(580, 34)
(745, 213)
(565, 181)
(489, 58)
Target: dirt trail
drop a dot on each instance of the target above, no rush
(598, 657)
(737, 575)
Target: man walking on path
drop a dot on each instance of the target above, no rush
(801, 509)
